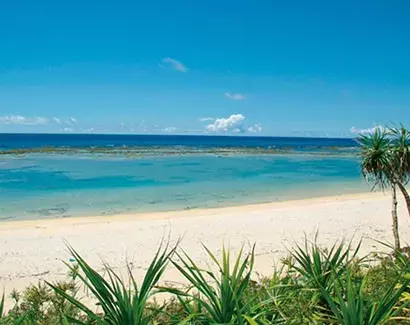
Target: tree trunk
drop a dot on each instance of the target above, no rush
(395, 225)
(406, 196)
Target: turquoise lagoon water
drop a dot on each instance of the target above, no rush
(52, 186)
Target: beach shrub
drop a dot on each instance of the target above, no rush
(217, 297)
(38, 304)
(348, 304)
(282, 299)
(120, 302)
(313, 285)
(320, 266)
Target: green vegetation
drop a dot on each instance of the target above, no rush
(386, 163)
(219, 297)
(313, 285)
(120, 303)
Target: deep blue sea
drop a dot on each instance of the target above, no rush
(9, 141)
(49, 185)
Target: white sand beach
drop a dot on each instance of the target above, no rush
(33, 250)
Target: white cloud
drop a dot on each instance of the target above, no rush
(354, 130)
(23, 120)
(170, 129)
(232, 123)
(90, 130)
(256, 128)
(67, 130)
(36, 120)
(206, 119)
(175, 64)
(71, 121)
(234, 96)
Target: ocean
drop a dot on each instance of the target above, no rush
(70, 175)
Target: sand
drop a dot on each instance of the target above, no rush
(34, 250)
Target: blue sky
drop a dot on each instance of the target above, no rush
(301, 68)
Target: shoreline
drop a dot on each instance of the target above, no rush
(186, 213)
(58, 188)
(34, 250)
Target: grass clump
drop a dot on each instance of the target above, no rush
(350, 305)
(121, 303)
(217, 297)
(313, 285)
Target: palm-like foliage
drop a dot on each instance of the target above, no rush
(401, 148)
(121, 303)
(286, 298)
(379, 166)
(2, 306)
(319, 266)
(349, 305)
(401, 153)
(219, 297)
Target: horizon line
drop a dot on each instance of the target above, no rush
(176, 134)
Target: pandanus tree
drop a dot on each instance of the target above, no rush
(378, 168)
(386, 163)
(401, 155)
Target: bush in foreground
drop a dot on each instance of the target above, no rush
(312, 286)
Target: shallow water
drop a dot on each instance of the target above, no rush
(51, 186)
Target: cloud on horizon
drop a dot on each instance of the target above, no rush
(356, 131)
(67, 130)
(23, 120)
(234, 96)
(234, 123)
(170, 129)
(35, 120)
(256, 128)
(231, 124)
(89, 130)
(175, 64)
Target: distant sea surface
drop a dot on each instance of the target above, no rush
(48, 184)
